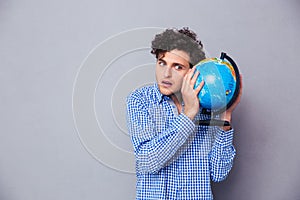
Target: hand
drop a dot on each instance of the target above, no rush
(189, 94)
(227, 114)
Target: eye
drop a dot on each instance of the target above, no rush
(178, 67)
(161, 63)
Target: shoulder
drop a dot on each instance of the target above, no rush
(145, 93)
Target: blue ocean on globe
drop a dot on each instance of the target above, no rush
(219, 83)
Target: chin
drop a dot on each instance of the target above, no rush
(165, 91)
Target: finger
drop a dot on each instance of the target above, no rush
(241, 81)
(185, 79)
(191, 73)
(241, 85)
(195, 76)
(199, 87)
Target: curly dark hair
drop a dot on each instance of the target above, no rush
(183, 39)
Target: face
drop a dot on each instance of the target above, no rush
(171, 67)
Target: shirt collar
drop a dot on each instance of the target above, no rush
(158, 95)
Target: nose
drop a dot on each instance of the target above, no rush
(168, 72)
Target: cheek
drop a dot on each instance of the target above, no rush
(157, 71)
(179, 78)
(180, 75)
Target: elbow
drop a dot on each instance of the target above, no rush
(220, 173)
(218, 177)
(147, 163)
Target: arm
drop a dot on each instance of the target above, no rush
(222, 155)
(153, 150)
(223, 152)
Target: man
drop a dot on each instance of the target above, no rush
(175, 157)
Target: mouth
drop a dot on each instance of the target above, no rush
(166, 84)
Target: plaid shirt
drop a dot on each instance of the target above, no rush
(175, 159)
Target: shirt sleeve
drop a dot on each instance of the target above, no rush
(153, 150)
(222, 155)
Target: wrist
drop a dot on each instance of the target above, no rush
(226, 116)
(226, 128)
(189, 115)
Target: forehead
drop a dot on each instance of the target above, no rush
(175, 56)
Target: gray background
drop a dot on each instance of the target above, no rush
(43, 43)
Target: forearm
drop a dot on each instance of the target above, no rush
(222, 155)
(156, 152)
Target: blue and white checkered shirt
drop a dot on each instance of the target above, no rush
(175, 159)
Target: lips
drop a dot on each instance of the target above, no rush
(166, 84)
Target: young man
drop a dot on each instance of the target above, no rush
(175, 157)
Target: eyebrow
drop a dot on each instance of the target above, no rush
(161, 59)
(174, 64)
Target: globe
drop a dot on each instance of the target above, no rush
(221, 83)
